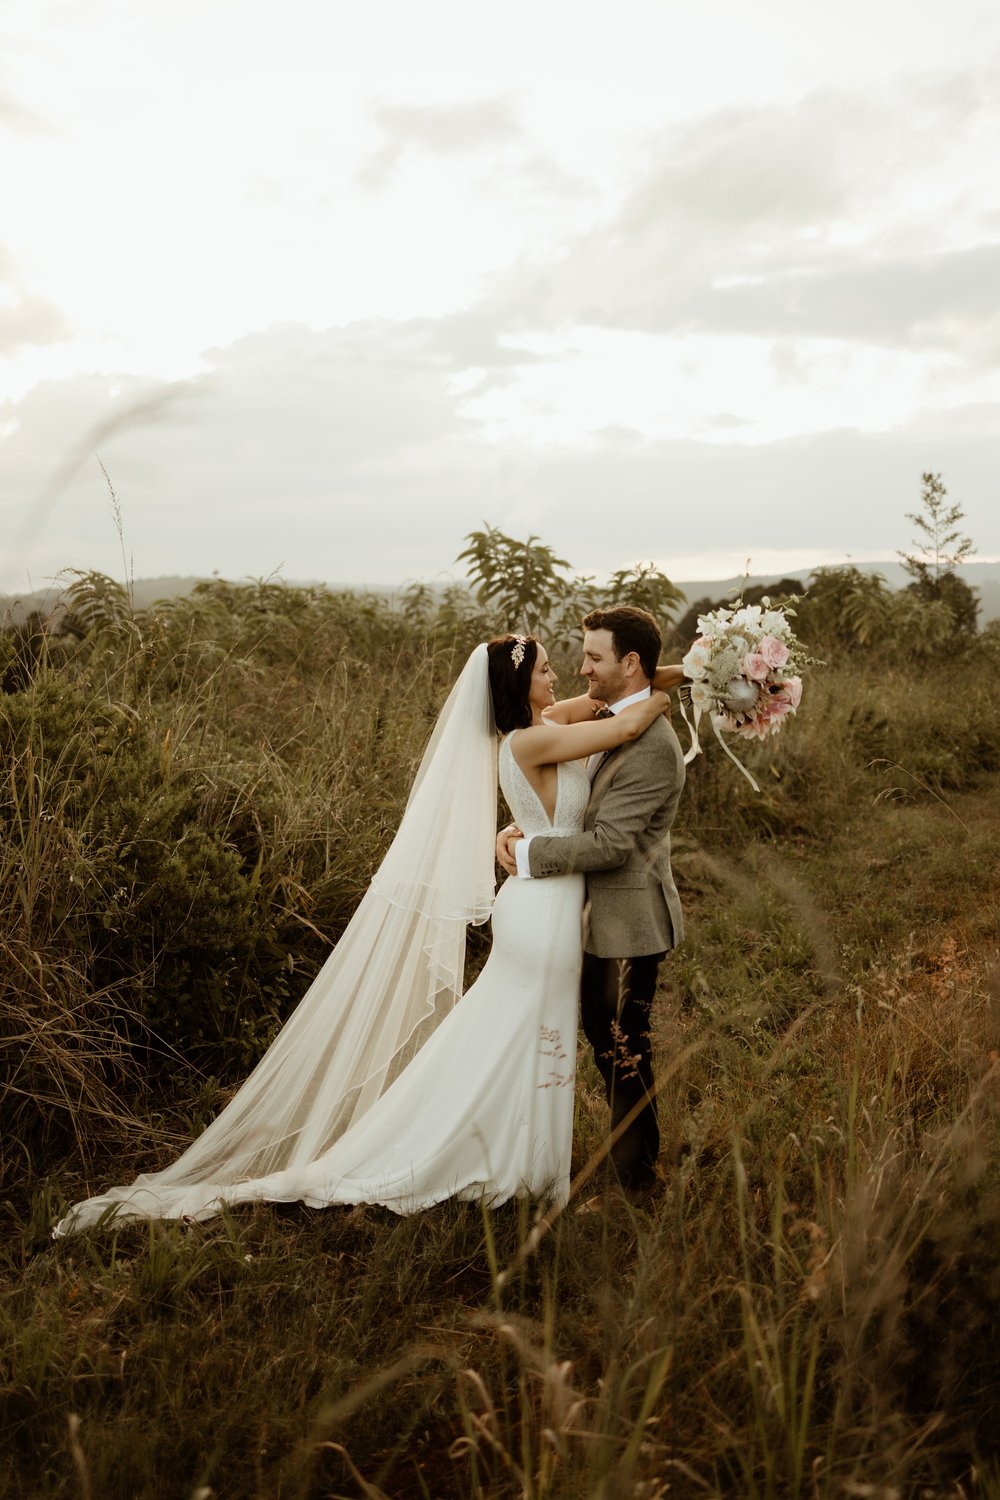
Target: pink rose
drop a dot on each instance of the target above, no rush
(755, 666)
(774, 652)
(789, 692)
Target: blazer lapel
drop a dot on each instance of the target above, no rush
(601, 765)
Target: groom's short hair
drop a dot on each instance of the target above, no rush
(631, 629)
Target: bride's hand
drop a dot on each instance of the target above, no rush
(649, 709)
(506, 839)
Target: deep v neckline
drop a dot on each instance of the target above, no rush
(551, 821)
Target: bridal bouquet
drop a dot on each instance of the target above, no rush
(744, 671)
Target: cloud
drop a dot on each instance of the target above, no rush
(346, 455)
(950, 300)
(842, 493)
(436, 130)
(24, 319)
(475, 337)
(17, 118)
(844, 216)
(141, 408)
(487, 129)
(342, 454)
(747, 170)
(30, 320)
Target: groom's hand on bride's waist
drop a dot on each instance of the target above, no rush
(506, 839)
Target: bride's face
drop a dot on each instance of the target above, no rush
(543, 681)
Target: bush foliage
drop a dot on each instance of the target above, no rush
(194, 799)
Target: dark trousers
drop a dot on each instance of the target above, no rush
(615, 999)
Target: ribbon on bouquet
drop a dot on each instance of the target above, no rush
(691, 715)
(692, 718)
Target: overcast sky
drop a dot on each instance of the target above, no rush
(326, 285)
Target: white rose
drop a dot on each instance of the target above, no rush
(701, 698)
(695, 664)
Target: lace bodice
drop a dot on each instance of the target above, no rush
(571, 798)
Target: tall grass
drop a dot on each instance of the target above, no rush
(192, 803)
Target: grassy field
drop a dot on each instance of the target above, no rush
(809, 1309)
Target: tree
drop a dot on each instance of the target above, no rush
(645, 587)
(847, 610)
(579, 597)
(960, 600)
(524, 586)
(520, 580)
(941, 546)
(941, 549)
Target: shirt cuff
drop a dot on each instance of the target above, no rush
(521, 856)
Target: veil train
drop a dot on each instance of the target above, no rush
(392, 978)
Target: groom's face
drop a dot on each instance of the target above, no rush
(605, 674)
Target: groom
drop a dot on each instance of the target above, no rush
(633, 915)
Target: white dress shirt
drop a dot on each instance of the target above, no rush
(521, 847)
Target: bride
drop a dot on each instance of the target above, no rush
(380, 1088)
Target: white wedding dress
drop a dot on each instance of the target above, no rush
(483, 1109)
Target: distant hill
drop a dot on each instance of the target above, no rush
(146, 591)
(985, 577)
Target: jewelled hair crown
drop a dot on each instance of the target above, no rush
(517, 650)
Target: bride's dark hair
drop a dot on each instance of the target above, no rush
(510, 680)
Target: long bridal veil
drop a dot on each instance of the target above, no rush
(393, 976)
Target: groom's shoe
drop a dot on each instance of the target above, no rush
(641, 1188)
(645, 1194)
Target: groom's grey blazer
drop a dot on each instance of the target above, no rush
(624, 848)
